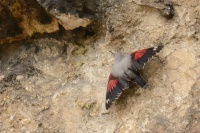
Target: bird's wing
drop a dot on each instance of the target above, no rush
(114, 89)
(140, 57)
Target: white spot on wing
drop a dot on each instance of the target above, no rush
(108, 100)
(118, 94)
(155, 48)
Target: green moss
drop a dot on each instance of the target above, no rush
(87, 106)
(79, 50)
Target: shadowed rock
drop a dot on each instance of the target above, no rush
(71, 13)
(19, 19)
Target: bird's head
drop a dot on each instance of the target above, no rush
(118, 56)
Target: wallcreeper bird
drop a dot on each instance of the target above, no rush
(126, 70)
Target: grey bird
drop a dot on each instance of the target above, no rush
(127, 70)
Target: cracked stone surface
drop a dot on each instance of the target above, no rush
(57, 85)
(20, 20)
(71, 13)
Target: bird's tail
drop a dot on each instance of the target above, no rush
(140, 81)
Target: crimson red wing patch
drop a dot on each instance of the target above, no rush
(112, 82)
(114, 89)
(144, 55)
(138, 54)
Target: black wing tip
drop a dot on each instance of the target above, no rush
(110, 100)
(145, 86)
(107, 107)
(108, 104)
(160, 46)
(157, 48)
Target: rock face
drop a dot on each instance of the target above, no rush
(71, 13)
(165, 7)
(53, 85)
(21, 19)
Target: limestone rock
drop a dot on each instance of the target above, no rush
(21, 19)
(166, 7)
(53, 84)
(71, 13)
